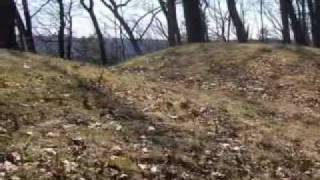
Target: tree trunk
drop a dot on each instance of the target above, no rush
(317, 23)
(312, 19)
(28, 33)
(132, 38)
(90, 10)
(285, 22)
(7, 30)
(21, 30)
(61, 29)
(304, 21)
(204, 25)
(103, 53)
(70, 39)
(261, 20)
(229, 29)
(70, 31)
(114, 9)
(242, 34)
(174, 36)
(194, 22)
(298, 33)
(314, 8)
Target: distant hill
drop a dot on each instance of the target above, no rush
(199, 111)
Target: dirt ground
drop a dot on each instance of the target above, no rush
(201, 111)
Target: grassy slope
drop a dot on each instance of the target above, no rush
(203, 111)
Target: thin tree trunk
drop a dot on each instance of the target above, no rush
(317, 23)
(100, 38)
(95, 23)
(22, 43)
(304, 21)
(61, 29)
(174, 36)
(194, 22)
(124, 24)
(312, 18)
(261, 20)
(7, 24)
(204, 24)
(70, 31)
(242, 34)
(132, 38)
(314, 8)
(123, 46)
(70, 39)
(21, 29)
(296, 25)
(229, 29)
(28, 33)
(285, 22)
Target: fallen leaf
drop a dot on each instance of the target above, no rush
(25, 66)
(143, 166)
(151, 128)
(154, 169)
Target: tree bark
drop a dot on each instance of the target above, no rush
(114, 9)
(204, 25)
(95, 23)
(261, 20)
(286, 39)
(28, 33)
(70, 31)
(21, 29)
(7, 24)
(296, 25)
(242, 34)
(169, 10)
(314, 8)
(304, 21)
(194, 22)
(70, 39)
(61, 29)
(317, 24)
(174, 36)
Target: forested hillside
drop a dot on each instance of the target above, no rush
(228, 111)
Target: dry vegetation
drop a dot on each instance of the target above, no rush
(202, 111)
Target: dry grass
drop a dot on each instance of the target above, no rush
(201, 111)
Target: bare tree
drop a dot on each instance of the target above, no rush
(285, 22)
(28, 28)
(242, 33)
(220, 17)
(21, 30)
(194, 21)
(62, 27)
(262, 30)
(296, 24)
(90, 9)
(69, 19)
(169, 10)
(274, 20)
(317, 23)
(314, 8)
(304, 22)
(114, 8)
(7, 32)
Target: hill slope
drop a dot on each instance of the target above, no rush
(202, 111)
